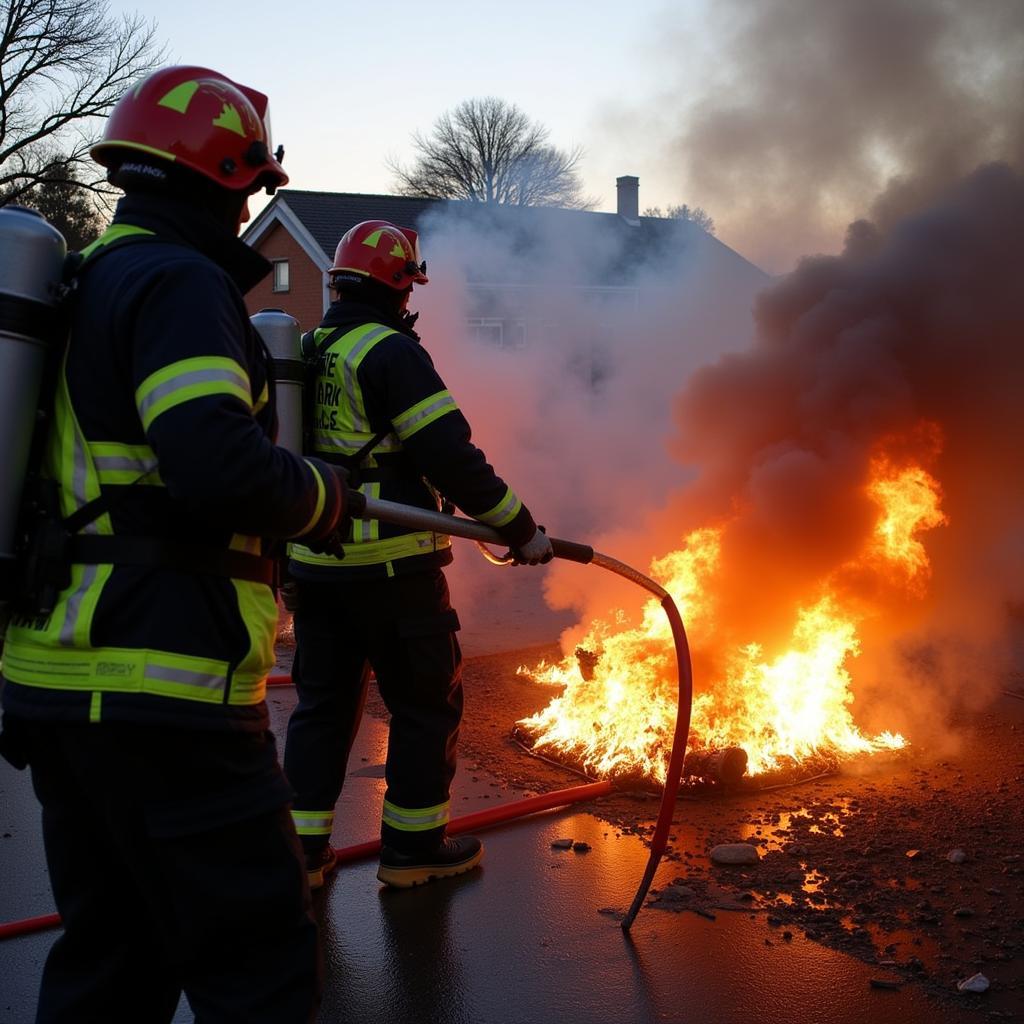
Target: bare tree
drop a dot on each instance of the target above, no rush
(63, 63)
(695, 215)
(63, 201)
(488, 151)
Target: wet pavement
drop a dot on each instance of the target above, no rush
(533, 936)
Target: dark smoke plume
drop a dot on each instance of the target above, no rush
(916, 326)
(811, 108)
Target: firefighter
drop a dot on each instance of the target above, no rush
(139, 702)
(381, 411)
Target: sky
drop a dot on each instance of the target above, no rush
(350, 83)
(785, 120)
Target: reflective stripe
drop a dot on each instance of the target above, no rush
(313, 823)
(124, 463)
(366, 531)
(357, 349)
(423, 413)
(262, 400)
(128, 670)
(113, 234)
(75, 606)
(342, 442)
(321, 498)
(415, 819)
(206, 680)
(379, 551)
(68, 461)
(504, 512)
(257, 607)
(187, 379)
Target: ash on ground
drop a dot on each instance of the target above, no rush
(866, 863)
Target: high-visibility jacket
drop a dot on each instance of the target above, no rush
(373, 379)
(165, 409)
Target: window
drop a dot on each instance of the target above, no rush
(515, 335)
(506, 334)
(281, 277)
(486, 329)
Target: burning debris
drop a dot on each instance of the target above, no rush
(710, 769)
(839, 517)
(615, 712)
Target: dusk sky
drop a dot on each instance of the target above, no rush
(783, 119)
(349, 83)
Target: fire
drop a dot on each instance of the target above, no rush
(909, 499)
(617, 710)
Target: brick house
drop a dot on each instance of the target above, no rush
(299, 230)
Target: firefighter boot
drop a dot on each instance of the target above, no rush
(320, 864)
(452, 857)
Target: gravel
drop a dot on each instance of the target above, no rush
(861, 860)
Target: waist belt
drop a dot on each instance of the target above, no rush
(401, 468)
(164, 554)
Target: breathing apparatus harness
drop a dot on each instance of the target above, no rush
(358, 474)
(45, 544)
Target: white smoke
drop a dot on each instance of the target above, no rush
(617, 317)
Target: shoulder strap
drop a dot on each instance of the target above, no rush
(349, 462)
(314, 350)
(115, 237)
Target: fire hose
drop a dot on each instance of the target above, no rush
(456, 526)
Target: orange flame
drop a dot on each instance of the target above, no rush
(617, 716)
(909, 499)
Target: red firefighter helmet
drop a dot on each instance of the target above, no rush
(382, 251)
(196, 118)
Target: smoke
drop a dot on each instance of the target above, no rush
(909, 343)
(601, 324)
(631, 417)
(644, 415)
(807, 110)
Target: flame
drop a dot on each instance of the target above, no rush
(617, 709)
(909, 500)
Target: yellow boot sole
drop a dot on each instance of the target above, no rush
(420, 874)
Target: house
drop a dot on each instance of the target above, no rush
(611, 261)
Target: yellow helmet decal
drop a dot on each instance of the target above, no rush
(229, 118)
(179, 97)
(373, 241)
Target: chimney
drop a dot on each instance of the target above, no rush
(628, 188)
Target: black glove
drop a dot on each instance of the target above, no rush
(332, 544)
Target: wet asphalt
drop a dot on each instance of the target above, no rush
(532, 937)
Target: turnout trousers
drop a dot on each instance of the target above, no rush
(404, 628)
(175, 867)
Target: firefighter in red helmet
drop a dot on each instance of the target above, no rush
(138, 702)
(382, 412)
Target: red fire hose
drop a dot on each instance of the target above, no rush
(424, 519)
(420, 519)
(360, 851)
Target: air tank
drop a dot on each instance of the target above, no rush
(280, 332)
(32, 254)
